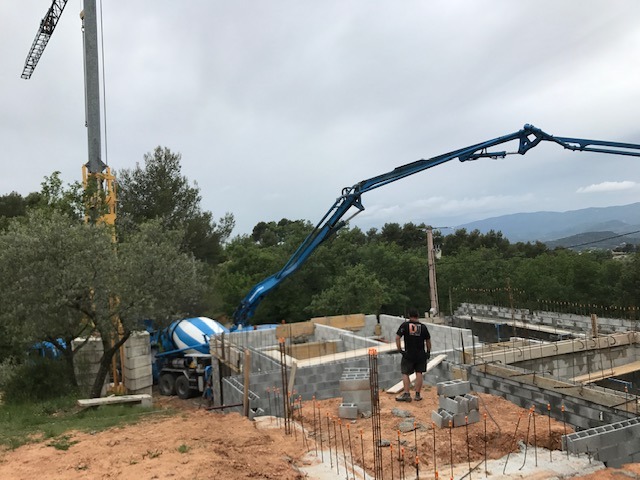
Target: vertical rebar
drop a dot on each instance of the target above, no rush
(269, 400)
(435, 459)
(451, 446)
(286, 411)
(550, 446)
(329, 440)
(535, 437)
(291, 404)
(320, 428)
(485, 446)
(315, 432)
(564, 422)
(276, 401)
(402, 464)
(353, 465)
(362, 447)
(304, 436)
(391, 452)
(466, 427)
(344, 454)
(335, 436)
(375, 413)
(526, 442)
(515, 438)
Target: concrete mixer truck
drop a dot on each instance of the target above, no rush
(182, 363)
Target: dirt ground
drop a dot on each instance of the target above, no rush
(200, 444)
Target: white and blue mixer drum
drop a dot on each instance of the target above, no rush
(195, 333)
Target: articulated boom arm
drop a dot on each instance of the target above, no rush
(528, 138)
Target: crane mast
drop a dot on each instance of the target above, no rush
(98, 181)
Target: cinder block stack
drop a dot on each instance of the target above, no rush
(86, 362)
(456, 404)
(138, 375)
(356, 392)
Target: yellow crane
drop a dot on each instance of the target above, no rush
(98, 181)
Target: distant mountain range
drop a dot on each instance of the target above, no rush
(595, 227)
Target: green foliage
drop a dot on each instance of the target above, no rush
(387, 272)
(36, 421)
(37, 379)
(159, 191)
(62, 276)
(356, 290)
(63, 442)
(184, 448)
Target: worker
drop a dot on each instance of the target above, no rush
(417, 350)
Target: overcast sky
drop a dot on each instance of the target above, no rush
(277, 105)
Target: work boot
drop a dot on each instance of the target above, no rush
(418, 397)
(405, 397)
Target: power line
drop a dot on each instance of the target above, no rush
(603, 239)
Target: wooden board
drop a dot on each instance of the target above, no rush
(143, 399)
(607, 373)
(437, 360)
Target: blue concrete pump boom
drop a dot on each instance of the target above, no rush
(528, 138)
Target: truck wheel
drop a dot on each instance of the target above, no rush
(167, 384)
(182, 387)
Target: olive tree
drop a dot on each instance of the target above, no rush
(63, 278)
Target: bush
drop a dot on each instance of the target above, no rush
(39, 379)
(7, 371)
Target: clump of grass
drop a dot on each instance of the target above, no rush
(184, 448)
(30, 422)
(62, 442)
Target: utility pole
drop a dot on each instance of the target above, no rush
(433, 284)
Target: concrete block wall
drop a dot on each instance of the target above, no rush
(614, 444)
(566, 321)
(137, 375)
(320, 381)
(581, 363)
(253, 338)
(348, 341)
(579, 413)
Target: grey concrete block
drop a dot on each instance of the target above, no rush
(348, 410)
(139, 383)
(453, 388)
(441, 418)
(474, 403)
(354, 384)
(454, 405)
(356, 396)
(142, 391)
(135, 362)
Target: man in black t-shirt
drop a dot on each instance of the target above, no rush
(417, 350)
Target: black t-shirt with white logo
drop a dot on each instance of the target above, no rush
(415, 334)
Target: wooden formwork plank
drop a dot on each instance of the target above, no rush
(508, 355)
(607, 373)
(437, 360)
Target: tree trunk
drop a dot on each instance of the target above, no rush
(105, 361)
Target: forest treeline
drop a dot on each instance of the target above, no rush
(378, 271)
